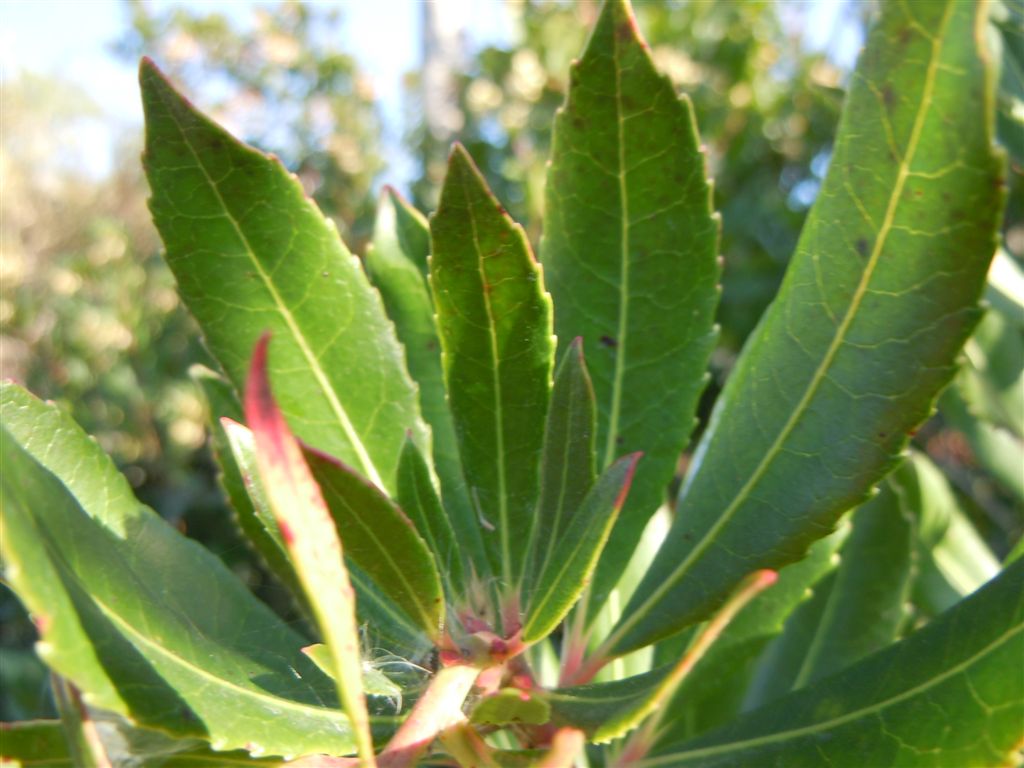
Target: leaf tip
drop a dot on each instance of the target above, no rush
(632, 460)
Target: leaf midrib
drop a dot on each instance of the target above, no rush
(428, 623)
(623, 320)
(128, 629)
(499, 425)
(856, 714)
(819, 374)
(366, 463)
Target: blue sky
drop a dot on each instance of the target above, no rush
(71, 38)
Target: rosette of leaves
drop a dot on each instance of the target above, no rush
(454, 454)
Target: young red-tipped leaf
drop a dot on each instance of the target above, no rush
(382, 541)
(312, 541)
(567, 571)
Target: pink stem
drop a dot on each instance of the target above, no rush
(439, 708)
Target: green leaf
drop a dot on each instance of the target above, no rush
(495, 325)
(41, 744)
(383, 542)
(857, 610)
(567, 462)
(397, 264)
(880, 295)
(605, 710)
(382, 616)
(418, 499)
(251, 254)
(312, 541)
(569, 567)
(375, 682)
(952, 559)
(942, 697)
(187, 649)
(713, 692)
(510, 706)
(34, 744)
(630, 252)
(866, 607)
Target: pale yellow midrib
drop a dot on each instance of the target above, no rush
(366, 463)
(849, 716)
(272, 701)
(499, 426)
(394, 566)
(902, 174)
(623, 321)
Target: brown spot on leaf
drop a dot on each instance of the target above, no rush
(608, 341)
(862, 246)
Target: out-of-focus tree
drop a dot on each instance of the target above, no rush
(90, 315)
(766, 106)
(89, 319)
(278, 81)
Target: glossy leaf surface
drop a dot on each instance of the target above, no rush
(495, 325)
(630, 256)
(188, 650)
(252, 254)
(941, 697)
(879, 297)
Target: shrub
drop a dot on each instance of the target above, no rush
(472, 532)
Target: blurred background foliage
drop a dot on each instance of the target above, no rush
(90, 317)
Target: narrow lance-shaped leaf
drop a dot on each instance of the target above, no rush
(567, 461)
(251, 253)
(189, 651)
(418, 499)
(397, 264)
(495, 325)
(941, 697)
(630, 253)
(878, 299)
(568, 569)
(384, 620)
(382, 541)
(312, 541)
